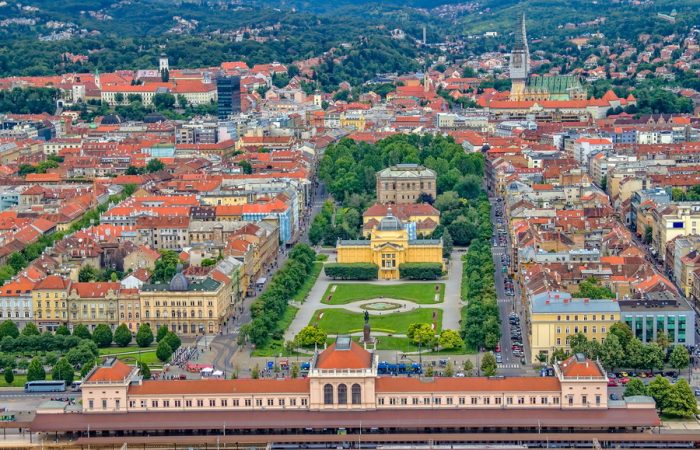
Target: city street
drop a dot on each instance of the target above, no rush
(511, 363)
(223, 347)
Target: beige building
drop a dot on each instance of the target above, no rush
(345, 377)
(403, 183)
(680, 219)
(187, 307)
(93, 303)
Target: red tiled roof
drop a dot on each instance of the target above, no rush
(53, 282)
(572, 367)
(448, 384)
(211, 386)
(354, 358)
(117, 372)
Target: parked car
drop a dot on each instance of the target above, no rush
(614, 396)
(612, 382)
(624, 380)
(499, 358)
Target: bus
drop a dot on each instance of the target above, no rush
(45, 386)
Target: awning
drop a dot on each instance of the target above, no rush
(261, 280)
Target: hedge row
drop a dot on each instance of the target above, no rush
(420, 271)
(352, 271)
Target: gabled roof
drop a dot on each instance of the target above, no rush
(354, 357)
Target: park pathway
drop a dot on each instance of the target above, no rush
(451, 307)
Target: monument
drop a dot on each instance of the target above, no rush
(367, 330)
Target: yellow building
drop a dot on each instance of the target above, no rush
(353, 119)
(388, 247)
(49, 300)
(671, 221)
(555, 316)
(188, 308)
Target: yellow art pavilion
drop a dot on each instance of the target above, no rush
(388, 247)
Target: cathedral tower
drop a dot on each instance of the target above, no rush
(519, 65)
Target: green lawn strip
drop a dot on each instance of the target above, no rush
(112, 351)
(276, 346)
(18, 381)
(308, 283)
(148, 357)
(341, 321)
(421, 293)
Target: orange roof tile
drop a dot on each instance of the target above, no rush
(447, 384)
(212, 386)
(117, 372)
(354, 358)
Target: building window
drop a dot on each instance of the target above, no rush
(258, 402)
(356, 394)
(521, 400)
(188, 403)
(543, 400)
(342, 394)
(270, 402)
(166, 403)
(178, 403)
(509, 400)
(381, 400)
(437, 400)
(224, 402)
(415, 400)
(303, 402)
(392, 401)
(498, 400)
(584, 399)
(328, 394)
(248, 402)
(91, 404)
(556, 400)
(200, 403)
(462, 401)
(280, 401)
(474, 400)
(292, 402)
(154, 403)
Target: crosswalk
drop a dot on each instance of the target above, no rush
(508, 366)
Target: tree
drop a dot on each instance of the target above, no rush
(309, 336)
(449, 369)
(162, 332)
(122, 335)
(35, 371)
(144, 336)
(653, 357)
(63, 371)
(634, 353)
(88, 273)
(17, 261)
(468, 367)
(488, 365)
(450, 339)
(611, 353)
(62, 330)
(420, 271)
(447, 243)
(30, 330)
(173, 340)
(660, 389)
(246, 167)
(662, 340)
(9, 375)
(591, 288)
(255, 372)
(165, 267)
(155, 165)
(81, 331)
(679, 359)
(8, 328)
(86, 368)
(163, 352)
(635, 387)
(145, 370)
(648, 234)
(102, 336)
(295, 370)
(163, 101)
(623, 332)
(681, 400)
(422, 334)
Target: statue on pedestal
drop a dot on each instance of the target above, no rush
(367, 329)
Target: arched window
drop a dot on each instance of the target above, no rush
(356, 394)
(328, 394)
(342, 394)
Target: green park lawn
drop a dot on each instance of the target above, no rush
(111, 351)
(18, 381)
(341, 321)
(422, 293)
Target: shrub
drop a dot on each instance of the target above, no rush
(420, 271)
(352, 271)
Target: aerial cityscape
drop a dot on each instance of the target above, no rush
(281, 224)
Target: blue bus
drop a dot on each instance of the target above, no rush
(45, 386)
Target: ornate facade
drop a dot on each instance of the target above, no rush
(388, 247)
